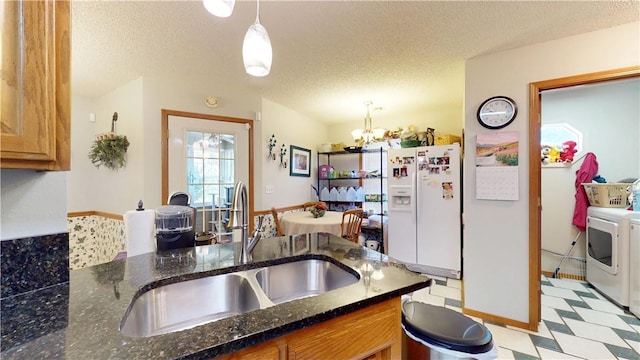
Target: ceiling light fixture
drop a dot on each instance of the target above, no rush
(368, 134)
(219, 8)
(256, 49)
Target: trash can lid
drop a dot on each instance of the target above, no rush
(445, 328)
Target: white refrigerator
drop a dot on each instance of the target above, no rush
(424, 209)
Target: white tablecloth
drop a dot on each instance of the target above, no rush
(302, 222)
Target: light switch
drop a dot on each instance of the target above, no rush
(268, 189)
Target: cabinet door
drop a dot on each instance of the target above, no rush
(270, 350)
(373, 332)
(34, 93)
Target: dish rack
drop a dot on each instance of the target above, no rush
(609, 195)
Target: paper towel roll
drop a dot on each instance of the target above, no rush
(140, 231)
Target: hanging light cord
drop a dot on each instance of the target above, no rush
(257, 11)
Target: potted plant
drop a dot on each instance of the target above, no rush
(318, 210)
(109, 149)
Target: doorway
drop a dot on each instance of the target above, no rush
(535, 171)
(208, 174)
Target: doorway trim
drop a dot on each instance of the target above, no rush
(535, 171)
(165, 149)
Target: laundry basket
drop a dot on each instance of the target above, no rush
(610, 195)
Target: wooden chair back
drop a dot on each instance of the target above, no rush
(351, 224)
(276, 221)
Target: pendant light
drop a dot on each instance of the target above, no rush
(219, 8)
(256, 49)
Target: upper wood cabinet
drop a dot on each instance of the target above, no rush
(35, 102)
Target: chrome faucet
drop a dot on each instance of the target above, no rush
(240, 220)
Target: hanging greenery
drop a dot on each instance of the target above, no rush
(109, 149)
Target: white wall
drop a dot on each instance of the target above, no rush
(496, 234)
(187, 95)
(91, 188)
(33, 203)
(139, 105)
(607, 114)
(80, 181)
(289, 128)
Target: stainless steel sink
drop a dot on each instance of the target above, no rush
(187, 304)
(300, 279)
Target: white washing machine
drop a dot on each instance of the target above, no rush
(634, 268)
(608, 259)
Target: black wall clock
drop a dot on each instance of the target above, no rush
(497, 112)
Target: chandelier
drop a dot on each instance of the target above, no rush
(368, 134)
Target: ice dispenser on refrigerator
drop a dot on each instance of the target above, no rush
(401, 198)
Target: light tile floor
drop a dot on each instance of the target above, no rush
(577, 323)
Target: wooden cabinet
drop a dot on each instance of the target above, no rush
(35, 102)
(374, 331)
(270, 350)
(370, 333)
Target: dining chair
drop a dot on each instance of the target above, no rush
(179, 198)
(276, 221)
(312, 203)
(351, 224)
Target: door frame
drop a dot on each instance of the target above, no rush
(535, 171)
(207, 117)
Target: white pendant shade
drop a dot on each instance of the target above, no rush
(256, 50)
(219, 8)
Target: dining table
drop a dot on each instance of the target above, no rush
(303, 222)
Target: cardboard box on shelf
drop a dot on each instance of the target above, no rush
(447, 139)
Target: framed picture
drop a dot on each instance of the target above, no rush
(300, 161)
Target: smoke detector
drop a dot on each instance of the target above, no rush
(211, 101)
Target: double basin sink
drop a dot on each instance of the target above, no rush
(183, 305)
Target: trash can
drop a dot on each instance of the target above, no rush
(435, 332)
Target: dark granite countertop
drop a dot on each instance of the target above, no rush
(80, 319)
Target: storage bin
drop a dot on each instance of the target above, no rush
(447, 139)
(409, 143)
(337, 147)
(610, 195)
(323, 171)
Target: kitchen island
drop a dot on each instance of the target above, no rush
(81, 319)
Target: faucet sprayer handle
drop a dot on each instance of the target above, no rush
(258, 228)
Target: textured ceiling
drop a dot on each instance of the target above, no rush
(329, 56)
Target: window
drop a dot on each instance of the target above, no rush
(210, 176)
(555, 135)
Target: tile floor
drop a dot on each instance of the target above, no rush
(577, 323)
